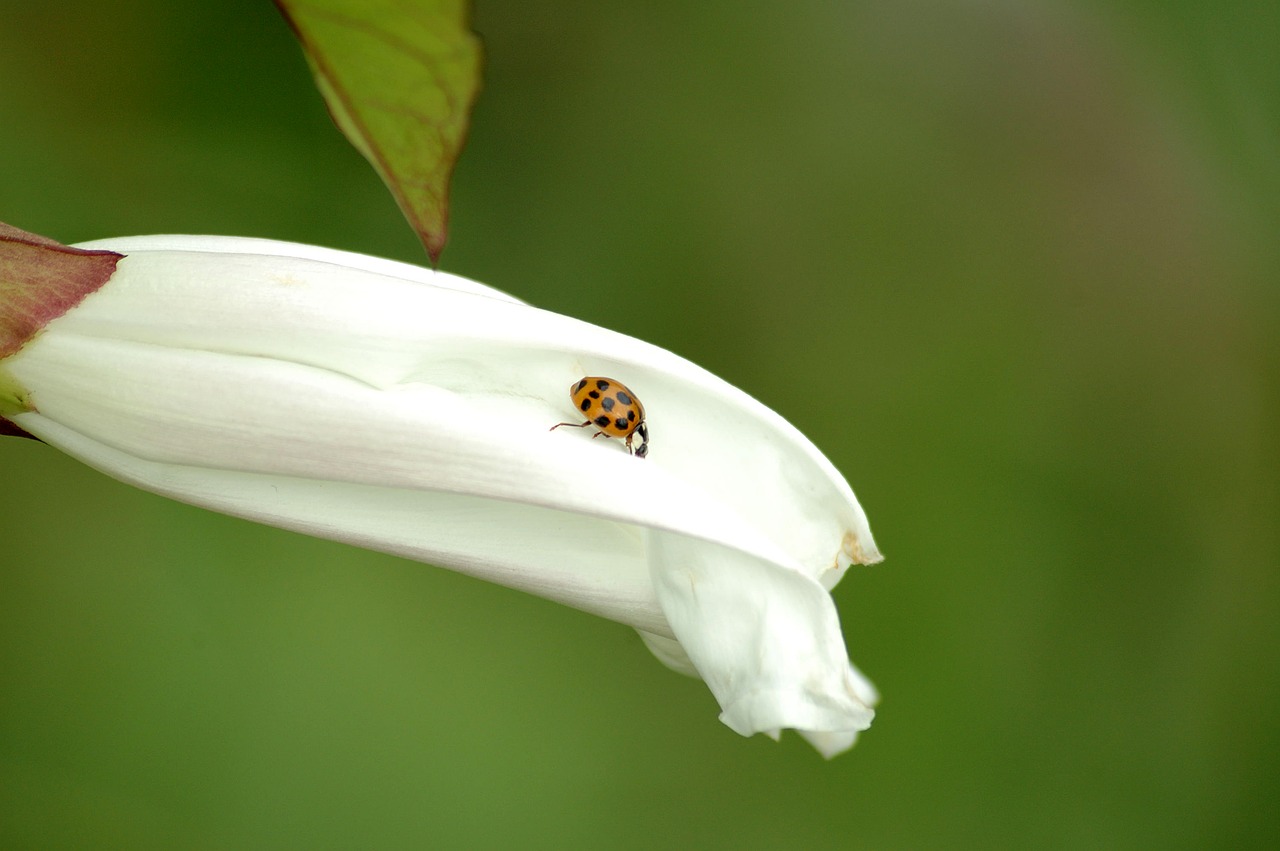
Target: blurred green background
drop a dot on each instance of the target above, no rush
(1013, 266)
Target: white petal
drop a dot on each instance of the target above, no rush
(387, 332)
(503, 542)
(784, 666)
(408, 411)
(276, 248)
(669, 652)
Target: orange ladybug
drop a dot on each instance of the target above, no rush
(611, 408)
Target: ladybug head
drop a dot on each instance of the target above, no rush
(643, 449)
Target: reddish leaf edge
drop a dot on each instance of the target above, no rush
(14, 235)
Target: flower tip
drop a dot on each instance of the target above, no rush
(860, 551)
(830, 744)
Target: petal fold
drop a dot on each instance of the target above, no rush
(764, 636)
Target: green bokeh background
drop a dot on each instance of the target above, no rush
(1012, 265)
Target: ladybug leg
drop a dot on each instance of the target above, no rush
(570, 425)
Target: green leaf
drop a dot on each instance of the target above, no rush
(399, 78)
(39, 281)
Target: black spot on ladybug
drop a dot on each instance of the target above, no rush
(621, 424)
(586, 405)
(579, 385)
(602, 421)
(631, 415)
(624, 397)
(602, 384)
(594, 395)
(606, 403)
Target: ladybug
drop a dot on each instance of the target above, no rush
(611, 408)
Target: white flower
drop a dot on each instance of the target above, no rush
(408, 411)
